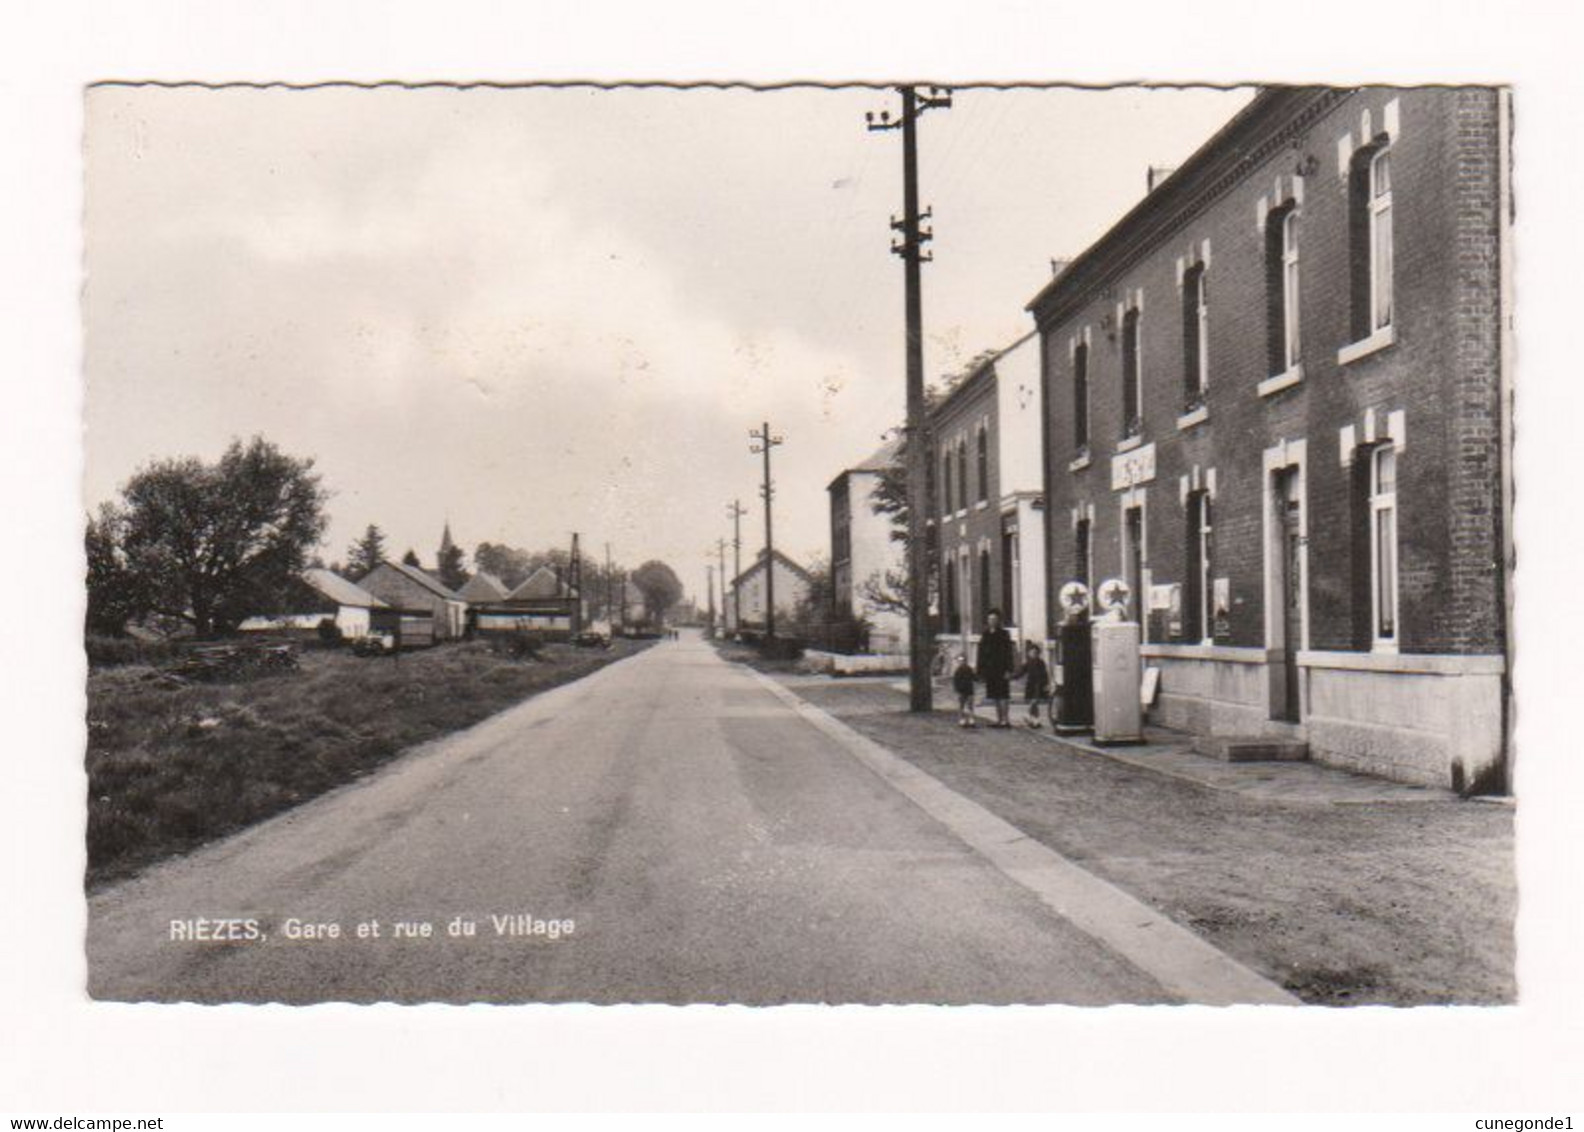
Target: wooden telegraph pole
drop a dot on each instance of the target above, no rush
(911, 248)
(765, 440)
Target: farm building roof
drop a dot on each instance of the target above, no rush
(542, 583)
(423, 578)
(337, 589)
(483, 586)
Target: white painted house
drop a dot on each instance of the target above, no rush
(750, 592)
(866, 561)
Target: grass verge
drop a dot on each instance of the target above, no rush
(755, 656)
(170, 768)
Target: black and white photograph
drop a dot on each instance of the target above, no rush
(508, 520)
(1008, 547)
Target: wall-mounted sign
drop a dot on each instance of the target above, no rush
(1129, 469)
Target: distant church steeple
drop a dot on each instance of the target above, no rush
(445, 539)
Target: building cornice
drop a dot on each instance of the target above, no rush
(1278, 117)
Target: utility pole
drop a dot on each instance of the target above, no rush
(766, 441)
(607, 588)
(575, 583)
(709, 583)
(734, 511)
(720, 550)
(911, 249)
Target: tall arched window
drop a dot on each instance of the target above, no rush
(1281, 290)
(962, 474)
(1132, 391)
(983, 468)
(1370, 238)
(1196, 338)
(1081, 396)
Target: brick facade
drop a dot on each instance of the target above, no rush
(967, 498)
(1294, 177)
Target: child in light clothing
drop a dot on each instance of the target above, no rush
(963, 685)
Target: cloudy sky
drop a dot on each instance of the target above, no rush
(534, 311)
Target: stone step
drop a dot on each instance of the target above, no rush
(1251, 748)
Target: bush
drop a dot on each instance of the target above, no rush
(519, 644)
(781, 648)
(106, 652)
(845, 635)
(329, 632)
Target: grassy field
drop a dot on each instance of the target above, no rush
(171, 767)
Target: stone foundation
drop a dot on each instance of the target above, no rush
(1430, 720)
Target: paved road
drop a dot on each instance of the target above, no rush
(708, 844)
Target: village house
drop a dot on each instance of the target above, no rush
(868, 566)
(319, 595)
(1277, 406)
(544, 604)
(989, 509)
(430, 611)
(750, 596)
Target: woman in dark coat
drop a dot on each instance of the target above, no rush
(997, 661)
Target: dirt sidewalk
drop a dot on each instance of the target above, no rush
(1342, 904)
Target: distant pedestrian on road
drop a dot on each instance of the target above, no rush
(997, 662)
(963, 685)
(1036, 683)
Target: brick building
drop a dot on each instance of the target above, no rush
(989, 507)
(1278, 401)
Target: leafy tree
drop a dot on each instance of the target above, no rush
(215, 543)
(411, 558)
(660, 587)
(513, 565)
(886, 590)
(366, 553)
(507, 563)
(452, 572)
(889, 590)
(116, 594)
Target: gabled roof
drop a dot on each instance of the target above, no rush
(483, 586)
(760, 561)
(542, 583)
(432, 584)
(881, 458)
(337, 589)
(877, 461)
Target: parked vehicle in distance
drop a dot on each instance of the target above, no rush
(375, 644)
(591, 639)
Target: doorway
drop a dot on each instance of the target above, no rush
(1285, 557)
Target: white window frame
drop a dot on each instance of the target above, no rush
(1380, 221)
(1292, 336)
(1384, 502)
